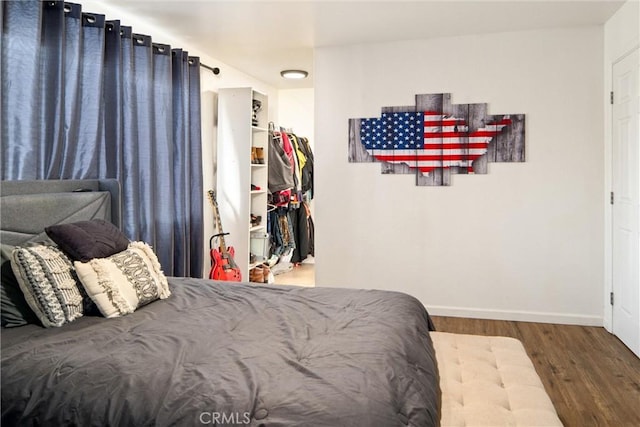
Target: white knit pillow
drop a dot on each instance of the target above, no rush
(121, 283)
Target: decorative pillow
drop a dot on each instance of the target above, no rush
(14, 310)
(85, 240)
(121, 283)
(49, 284)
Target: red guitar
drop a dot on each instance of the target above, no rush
(223, 267)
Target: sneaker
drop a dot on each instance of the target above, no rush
(273, 260)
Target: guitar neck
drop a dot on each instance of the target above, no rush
(214, 204)
(223, 245)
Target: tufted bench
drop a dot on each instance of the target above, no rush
(489, 381)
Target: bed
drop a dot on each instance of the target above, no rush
(213, 353)
(229, 354)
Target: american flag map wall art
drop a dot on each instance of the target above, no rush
(435, 139)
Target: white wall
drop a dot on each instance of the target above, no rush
(210, 83)
(621, 35)
(295, 110)
(524, 242)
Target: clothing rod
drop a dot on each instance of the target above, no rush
(215, 70)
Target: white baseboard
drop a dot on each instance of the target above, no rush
(521, 316)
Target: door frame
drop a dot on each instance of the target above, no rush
(608, 187)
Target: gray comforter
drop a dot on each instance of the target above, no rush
(230, 354)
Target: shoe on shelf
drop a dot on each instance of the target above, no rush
(256, 105)
(265, 272)
(255, 187)
(254, 158)
(255, 220)
(256, 274)
(260, 155)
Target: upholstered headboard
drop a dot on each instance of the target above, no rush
(27, 207)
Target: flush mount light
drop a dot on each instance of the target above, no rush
(294, 74)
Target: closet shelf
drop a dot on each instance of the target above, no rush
(239, 109)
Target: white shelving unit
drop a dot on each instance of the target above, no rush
(236, 173)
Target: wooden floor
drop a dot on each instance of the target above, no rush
(591, 377)
(301, 275)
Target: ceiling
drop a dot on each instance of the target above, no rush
(261, 38)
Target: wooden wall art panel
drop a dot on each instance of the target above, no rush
(435, 139)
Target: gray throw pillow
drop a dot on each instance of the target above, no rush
(49, 284)
(14, 310)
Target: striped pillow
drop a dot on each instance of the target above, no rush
(49, 284)
(122, 282)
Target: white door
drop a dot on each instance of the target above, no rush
(626, 193)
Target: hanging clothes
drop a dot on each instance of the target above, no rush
(303, 231)
(290, 225)
(307, 170)
(288, 149)
(280, 169)
(282, 234)
(288, 146)
(299, 156)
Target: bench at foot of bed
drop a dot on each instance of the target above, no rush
(489, 381)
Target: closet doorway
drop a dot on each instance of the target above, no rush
(290, 222)
(295, 117)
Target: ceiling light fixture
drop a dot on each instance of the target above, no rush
(294, 74)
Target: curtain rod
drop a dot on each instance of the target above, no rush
(215, 70)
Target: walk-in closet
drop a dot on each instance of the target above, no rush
(265, 190)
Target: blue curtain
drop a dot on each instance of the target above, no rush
(87, 98)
